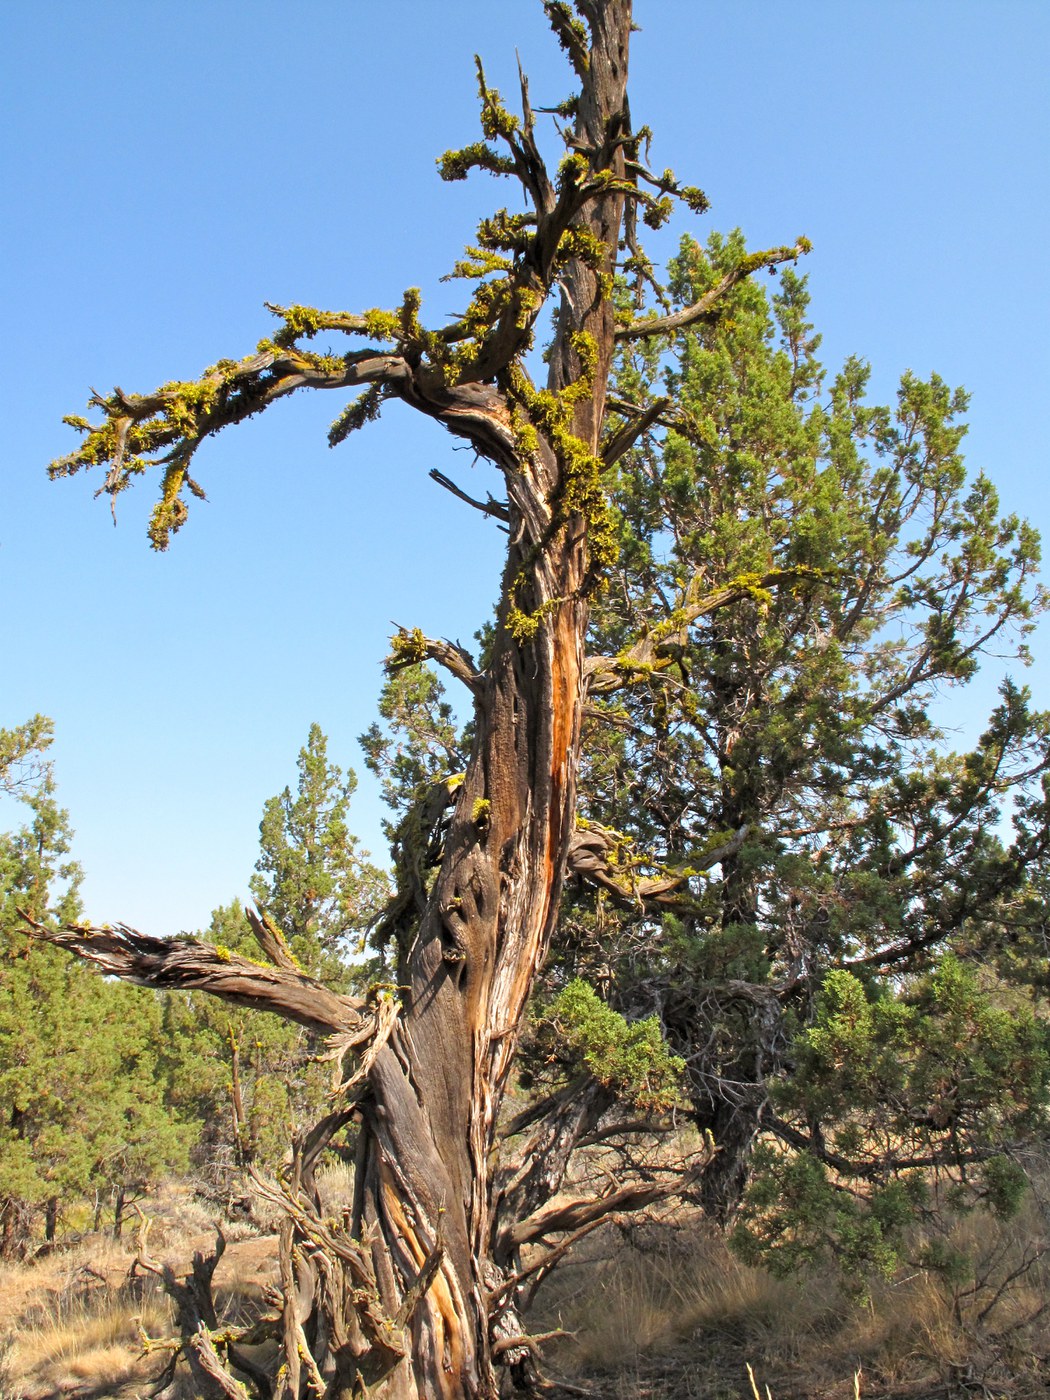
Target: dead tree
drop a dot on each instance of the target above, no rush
(415, 1294)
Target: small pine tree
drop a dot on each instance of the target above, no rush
(311, 877)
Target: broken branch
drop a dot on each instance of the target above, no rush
(187, 964)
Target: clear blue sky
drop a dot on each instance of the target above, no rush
(167, 168)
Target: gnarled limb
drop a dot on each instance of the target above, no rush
(408, 647)
(498, 509)
(537, 1170)
(596, 856)
(709, 303)
(202, 1339)
(327, 1272)
(187, 964)
(624, 438)
(271, 940)
(574, 1214)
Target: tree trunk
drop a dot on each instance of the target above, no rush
(429, 1126)
(51, 1219)
(242, 1139)
(14, 1228)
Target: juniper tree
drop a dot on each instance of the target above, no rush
(417, 1292)
(250, 1079)
(310, 877)
(799, 871)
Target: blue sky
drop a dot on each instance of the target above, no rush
(170, 167)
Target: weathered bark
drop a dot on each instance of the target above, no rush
(438, 1084)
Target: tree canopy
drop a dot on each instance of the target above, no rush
(804, 579)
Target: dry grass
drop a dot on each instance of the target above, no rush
(657, 1311)
(671, 1314)
(990, 1329)
(71, 1320)
(93, 1340)
(335, 1182)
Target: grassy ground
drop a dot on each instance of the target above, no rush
(652, 1310)
(665, 1311)
(75, 1320)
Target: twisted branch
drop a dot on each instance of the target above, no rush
(187, 964)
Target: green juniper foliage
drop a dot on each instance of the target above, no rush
(630, 1058)
(804, 577)
(311, 878)
(418, 742)
(249, 1079)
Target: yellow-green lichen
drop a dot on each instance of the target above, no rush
(751, 584)
(407, 648)
(408, 315)
(522, 625)
(581, 492)
(299, 321)
(572, 170)
(672, 624)
(170, 512)
(479, 262)
(364, 409)
(457, 165)
(381, 325)
(495, 119)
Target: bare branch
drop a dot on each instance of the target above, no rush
(211, 1369)
(627, 1128)
(387, 1010)
(488, 507)
(187, 964)
(179, 416)
(593, 857)
(573, 1215)
(626, 436)
(419, 1285)
(543, 1263)
(271, 940)
(409, 646)
(532, 1341)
